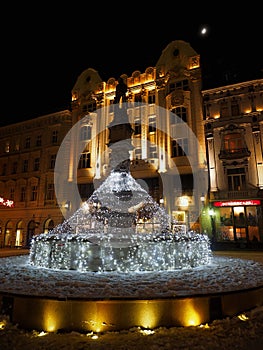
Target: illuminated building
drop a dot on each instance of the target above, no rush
(160, 149)
(233, 121)
(27, 159)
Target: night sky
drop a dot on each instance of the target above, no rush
(44, 49)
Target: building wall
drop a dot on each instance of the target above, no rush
(172, 86)
(233, 117)
(27, 159)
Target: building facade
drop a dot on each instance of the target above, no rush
(233, 126)
(164, 105)
(27, 160)
(50, 165)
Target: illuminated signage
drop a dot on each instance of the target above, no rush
(237, 203)
(6, 202)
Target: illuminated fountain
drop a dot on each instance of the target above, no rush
(105, 234)
(120, 227)
(117, 264)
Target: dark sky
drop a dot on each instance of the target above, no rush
(44, 50)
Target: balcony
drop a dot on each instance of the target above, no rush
(234, 153)
(242, 194)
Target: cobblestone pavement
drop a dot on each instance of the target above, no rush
(4, 252)
(243, 254)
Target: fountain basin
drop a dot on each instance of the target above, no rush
(119, 252)
(55, 300)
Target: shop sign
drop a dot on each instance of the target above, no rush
(236, 203)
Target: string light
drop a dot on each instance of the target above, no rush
(119, 228)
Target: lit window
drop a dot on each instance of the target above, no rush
(233, 142)
(84, 161)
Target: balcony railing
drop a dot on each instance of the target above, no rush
(242, 194)
(234, 153)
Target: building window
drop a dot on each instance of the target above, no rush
(52, 161)
(178, 115)
(84, 161)
(12, 193)
(138, 97)
(153, 152)
(138, 153)
(85, 133)
(17, 146)
(235, 112)
(54, 139)
(179, 147)
(50, 192)
(39, 141)
(22, 194)
(236, 179)
(36, 164)
(7, 147)
(27, 142)
(179, 85)
(224, 112)
(233, 142)
(151, 98)
(25, 166)
(137, 127)
(91, 106)
(4, 169)
(33, 196)
(152, 124)
(14, 169)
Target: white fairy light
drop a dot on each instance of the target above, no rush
(137, 235)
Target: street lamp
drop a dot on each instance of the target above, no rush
(201, 212)
(212, 217)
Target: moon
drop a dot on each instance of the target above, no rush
(203, 30)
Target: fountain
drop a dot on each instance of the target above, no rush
(116, 263)
(120, 227)
(105, 235)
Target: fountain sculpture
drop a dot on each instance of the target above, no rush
(120, 227)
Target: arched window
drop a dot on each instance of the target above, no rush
(20, 234)
(48, 225)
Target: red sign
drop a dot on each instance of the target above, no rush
(237, 203)
(6, 202)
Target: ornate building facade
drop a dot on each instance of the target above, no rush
(233, 117)
(176, 153)
(164, 106)
(27, 159)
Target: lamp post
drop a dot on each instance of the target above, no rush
(212, 217)
(201, 212)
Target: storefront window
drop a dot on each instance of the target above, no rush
(226, 224)
(252, 221)
(238, 223)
